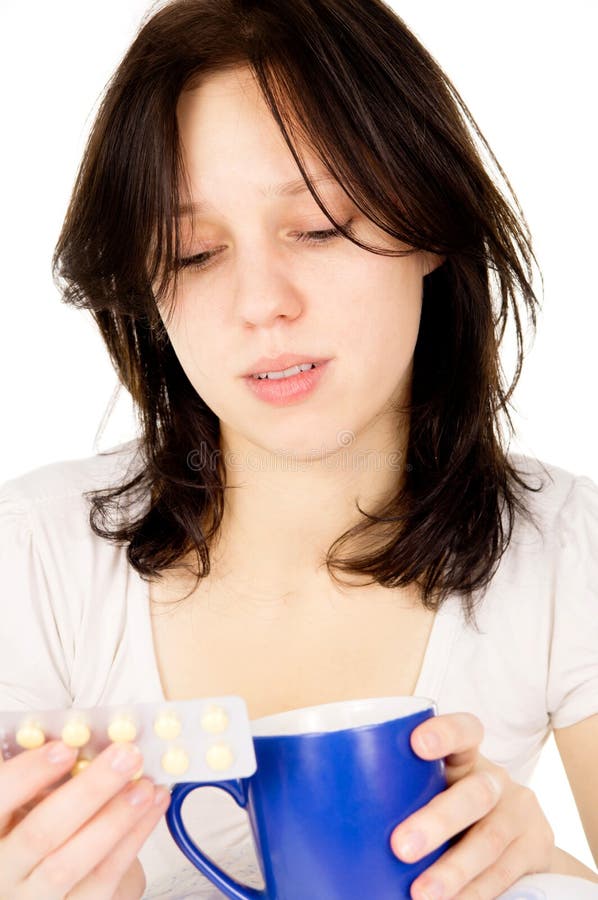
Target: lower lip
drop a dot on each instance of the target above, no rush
(284, 391)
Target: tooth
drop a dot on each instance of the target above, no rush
(285, 373)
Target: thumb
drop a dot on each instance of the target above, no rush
(5, 816)
(132, 884)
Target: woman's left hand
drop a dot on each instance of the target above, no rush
(507, 836)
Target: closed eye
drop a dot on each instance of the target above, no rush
(202, 260)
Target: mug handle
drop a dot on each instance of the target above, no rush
(200, 860)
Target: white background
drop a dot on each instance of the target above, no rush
(527, 71)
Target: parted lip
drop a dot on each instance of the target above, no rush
(284, 361)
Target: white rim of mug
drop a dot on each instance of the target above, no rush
(274, 725)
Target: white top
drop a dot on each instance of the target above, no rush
(75, 630)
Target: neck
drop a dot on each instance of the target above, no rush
(283, 512)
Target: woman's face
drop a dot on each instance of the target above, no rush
(264, 292)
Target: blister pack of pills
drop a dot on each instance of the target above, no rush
(204, 739)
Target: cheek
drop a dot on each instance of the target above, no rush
(191, 331)
(384, 313)
(197, 354)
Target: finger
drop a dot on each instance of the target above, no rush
(61, 814)
(447, 814)
(22, 811)
(26, 775)
(479, 849)
(116, 875)
(132, 885)
(59, 872)
(469, 879)
(454, 736)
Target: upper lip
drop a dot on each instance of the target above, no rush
(279, 363)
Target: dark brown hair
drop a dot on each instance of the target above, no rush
(348, 79)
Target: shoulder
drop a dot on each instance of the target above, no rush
(46, 511)
(57, 491)
(561, 500)
(66, 588)
(546, 555)
(59, 482)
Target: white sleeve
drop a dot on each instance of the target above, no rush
(572, 689)
(33, 668)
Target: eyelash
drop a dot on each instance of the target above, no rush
(202, 260)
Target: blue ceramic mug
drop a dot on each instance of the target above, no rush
(332, 783)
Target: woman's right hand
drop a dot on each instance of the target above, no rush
(81, 839)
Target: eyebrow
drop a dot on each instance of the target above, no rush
(286, 189)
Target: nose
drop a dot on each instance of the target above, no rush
(265, 291)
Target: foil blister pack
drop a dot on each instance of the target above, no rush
(204, 739)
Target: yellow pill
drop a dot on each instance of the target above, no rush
(79, 766)
(122, 729)
(219, 756)
(167, 726)
(137, 774)
(175, 761)
(75, 733)
(214, 720)
(30, 736)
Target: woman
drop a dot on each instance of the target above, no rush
(268, 186)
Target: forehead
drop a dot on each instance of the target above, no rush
(224, 123)
(287, 189)
(231, 143)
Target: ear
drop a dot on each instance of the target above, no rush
(431, 261)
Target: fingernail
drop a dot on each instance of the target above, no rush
(60, 753)
(161, 796)
(411, 845)
(124, 757)
(139, 794)
(430, 743)
(432, 890)
(494, 783)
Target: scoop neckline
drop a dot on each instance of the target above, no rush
(434, 664)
